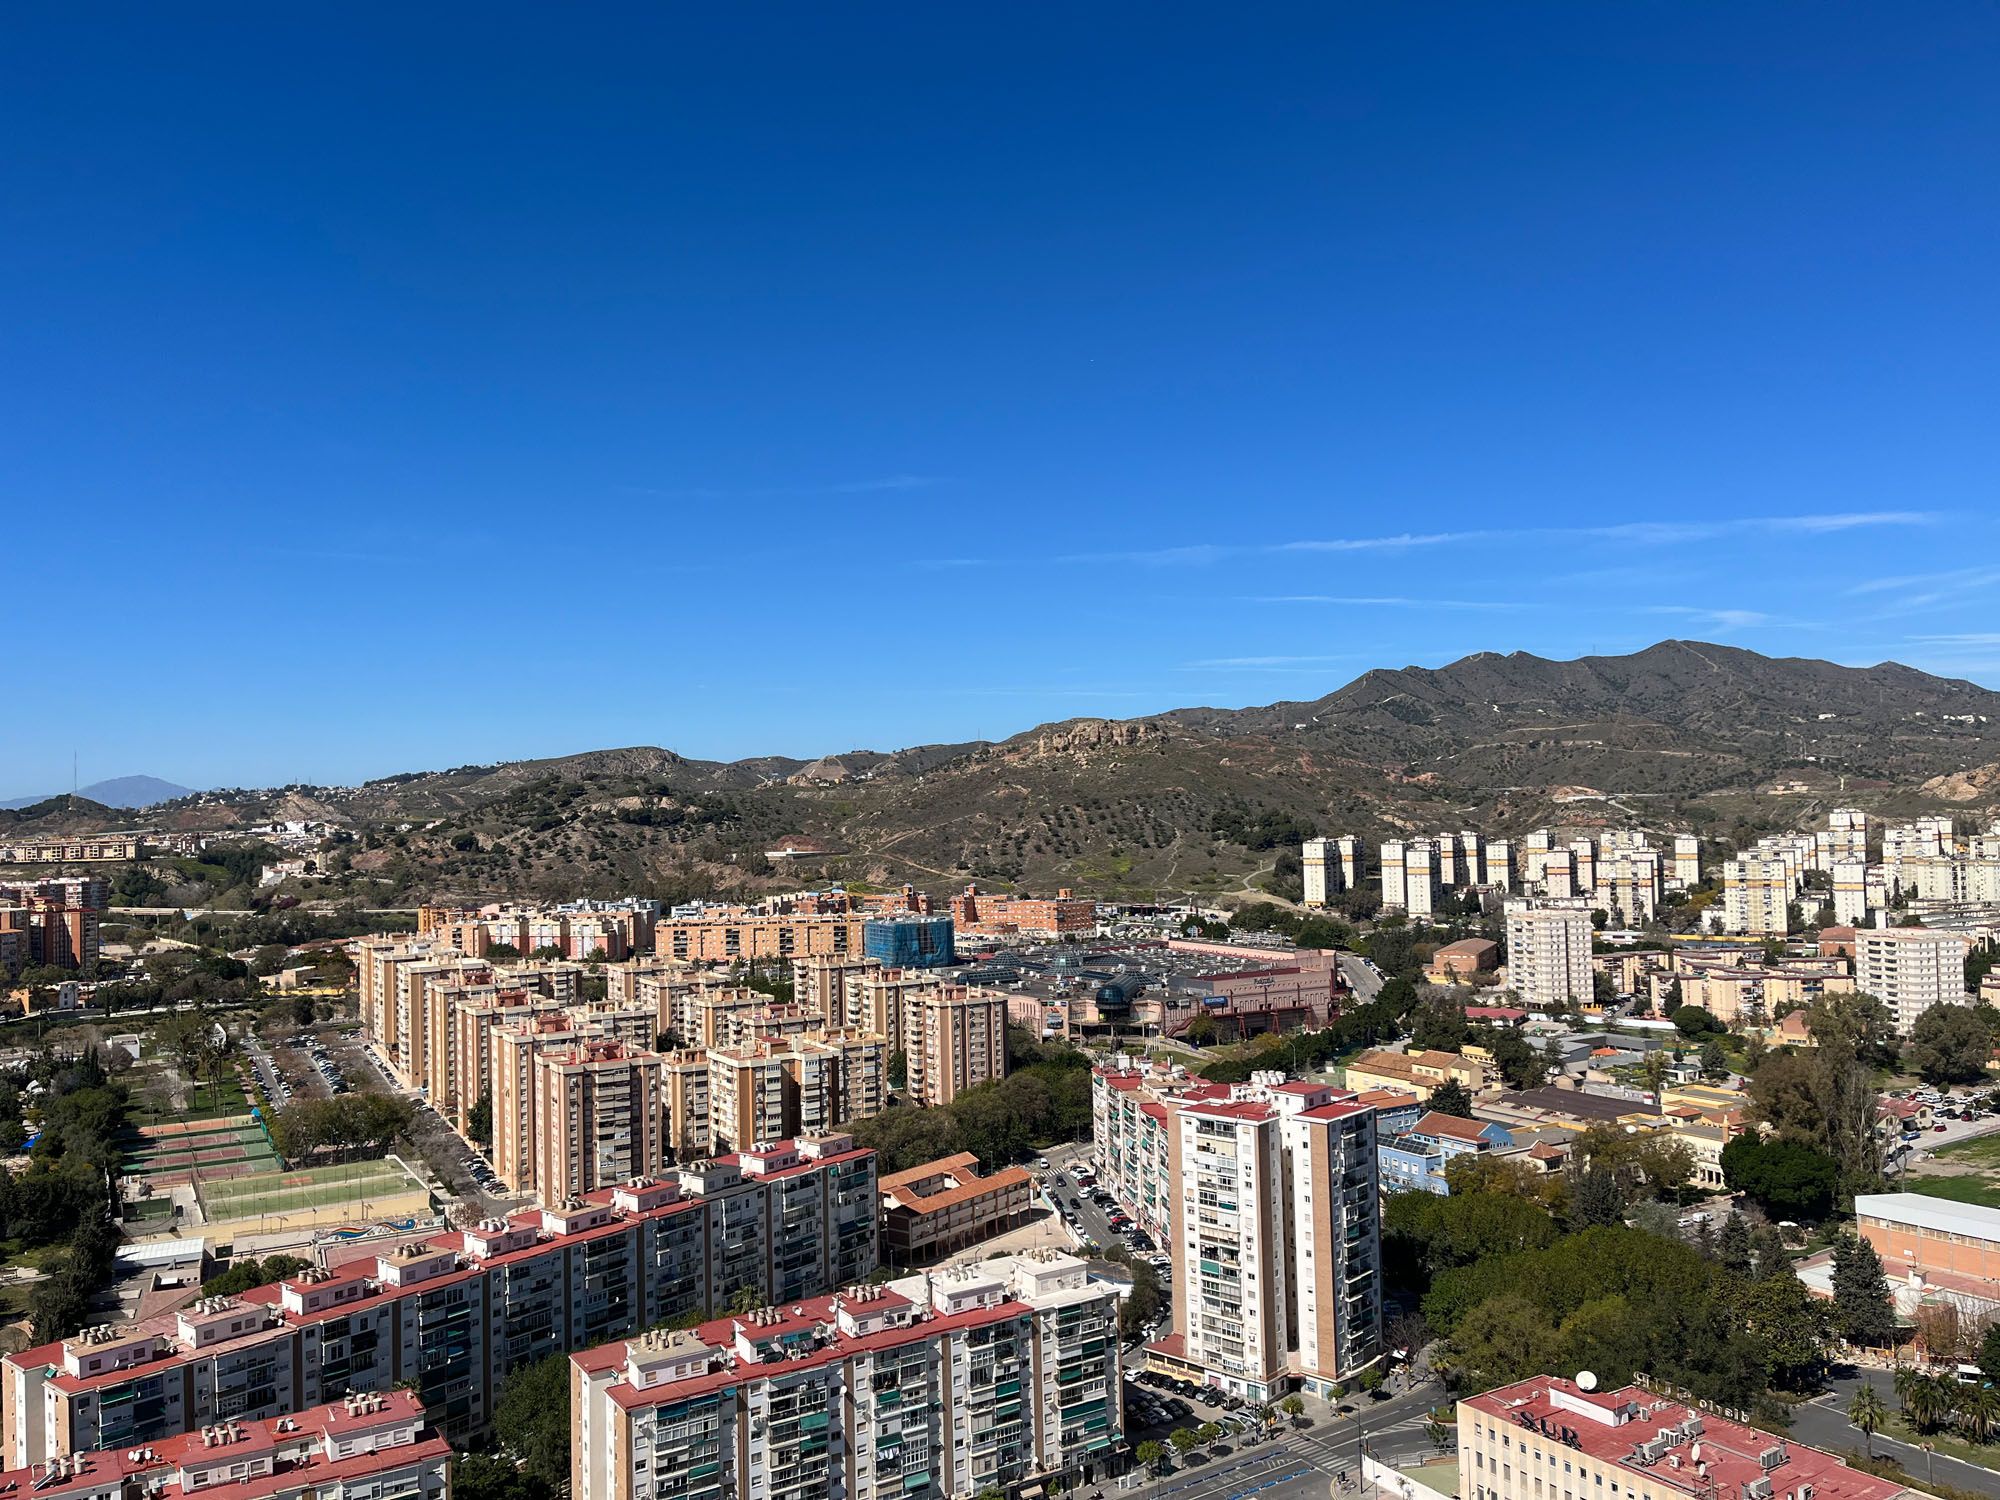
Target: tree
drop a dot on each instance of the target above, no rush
(1201, 1031)
(1788, 1179)
(899, 1069)
(1856, 1023)
(1695, 1020)
(1989, 1353)
(1596, 1198)
(1292, 1406)
(1949, 1044)
(1978, 1409)
(479, 1120)
(1439, 1023)
(1867, 1411)
(1732, 1245)
(531, 1419)
(1522, 1064)
(1184, 1440)
(1150, 1455)
(487, 1476)
(1209, 1433)
(1792, 1325)
(745, 1299)
(1863, 1311)
(1714, 1064)
(1452, 1098)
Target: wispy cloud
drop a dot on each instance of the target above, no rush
(1384, 601)
(1227, 662)
(1962, 638)
(1634, 533)
(1726, 619)
(888, 483)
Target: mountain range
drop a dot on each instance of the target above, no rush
(1681, 735)
(119, 791)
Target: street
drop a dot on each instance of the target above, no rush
(1823, 1423)
(1361, 976)
(1297, 1462)
(1066, 1195)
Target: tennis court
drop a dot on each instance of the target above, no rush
(177, 1152)
(359, 1186)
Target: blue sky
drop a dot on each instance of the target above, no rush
(400, 387)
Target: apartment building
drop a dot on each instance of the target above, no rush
(57, 918)
(363, 1448)
(909, 940)
(1910, 969)
(804, 1083)
(1277, 1255)
(955, 1039)
(1548, 952)
(1629, 883)
(598, 1118)
(732, 933)
(981, 914)
(1757, 892)
(1411, 876)
(1685, 872)
(945, 1206)
(1321, 867)
(454, 1314)
(1548, 1438)
(80, 849)
(976, 1380)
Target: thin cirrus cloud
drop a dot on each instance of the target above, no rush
(1635, 533)
(887, 484)
(1722, 619)
(1253, 663)
(1384, 601)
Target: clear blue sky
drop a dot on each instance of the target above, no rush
(407, 386)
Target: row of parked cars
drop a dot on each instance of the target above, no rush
(322, 1060)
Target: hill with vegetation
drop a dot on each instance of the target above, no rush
(1682, 735)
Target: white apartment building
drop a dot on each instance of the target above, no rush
(1548, 951)
(1850, 892)
(1277, 1248)
(1910, 969)
(1686, 871)
(1321, 865)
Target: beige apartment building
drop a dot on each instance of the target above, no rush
(1548, 952)
(743, 934)
(597, 1120)
(1757, 895)
(811, 1082)
(960, 1038)
(1910, 969)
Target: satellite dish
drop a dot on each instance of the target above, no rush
(1586, 1381)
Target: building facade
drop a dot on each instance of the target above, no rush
(937, 1387)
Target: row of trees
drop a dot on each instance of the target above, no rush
(1044, 1099)
(347, 1125)
(1521, 1273)
(65, 1196)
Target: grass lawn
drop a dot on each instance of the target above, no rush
(1980, 1151)
(1945, 1440)
(1971, 1175)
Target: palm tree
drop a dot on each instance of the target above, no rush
(1866, 1411)
(1979, 1408)
(1907, 1379)
(1930, 1401)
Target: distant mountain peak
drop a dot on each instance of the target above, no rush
(119, 791)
